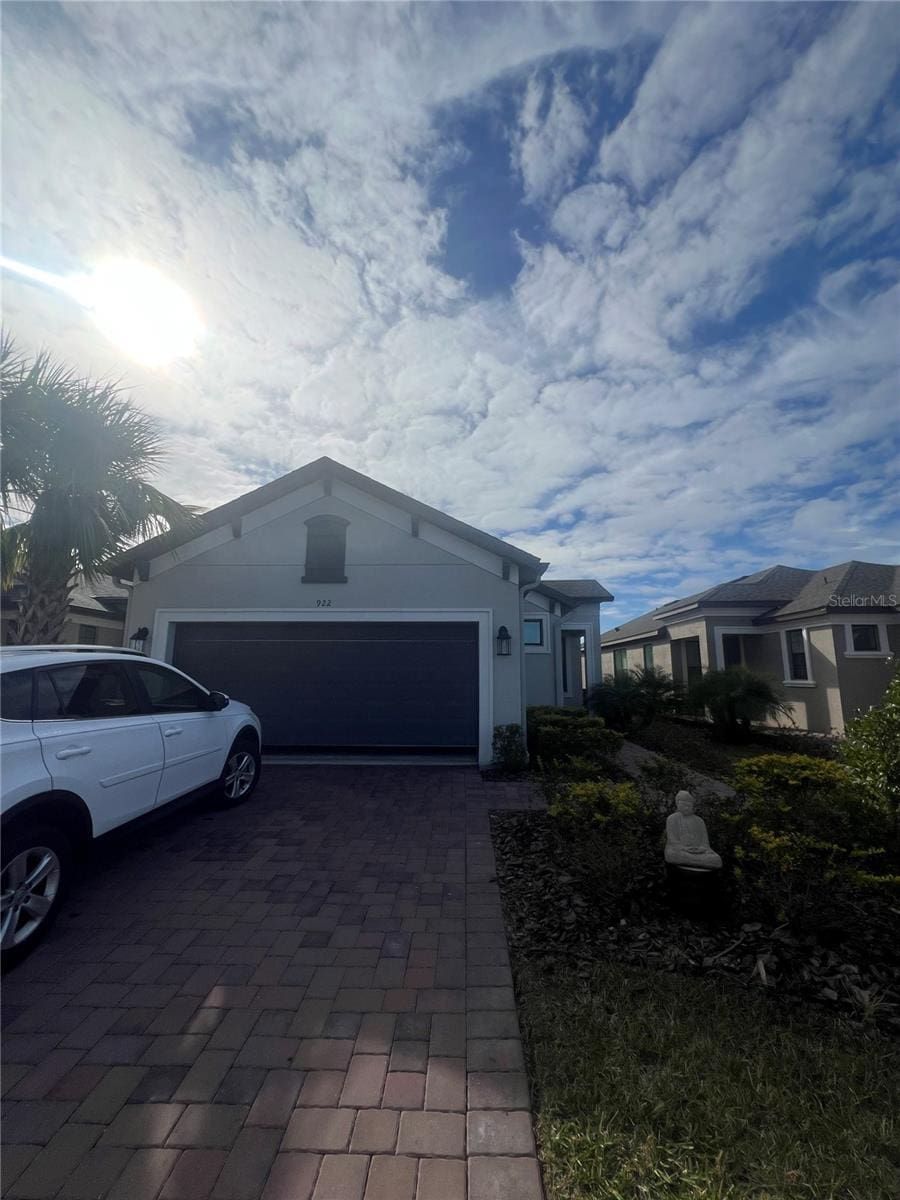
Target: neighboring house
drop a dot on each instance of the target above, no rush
(354, 618)
(829, 636)
(96, 613)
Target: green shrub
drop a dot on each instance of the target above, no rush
(805, 841)
(871, 753)
(631, 701)
(544, 714)
(736, 697)
(509, 748)
(813, 797)
(538, 712)
(555, 739)
(598, 802)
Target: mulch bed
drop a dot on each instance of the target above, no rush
(555, 910)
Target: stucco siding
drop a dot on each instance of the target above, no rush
(863, 680)
(540, 679)
(386, 568)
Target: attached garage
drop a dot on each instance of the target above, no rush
(344, 686)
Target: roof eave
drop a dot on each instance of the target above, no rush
(123, 566)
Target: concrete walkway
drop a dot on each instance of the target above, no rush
(305, 998)
(632, 757)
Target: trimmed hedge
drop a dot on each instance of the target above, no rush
(555, 739)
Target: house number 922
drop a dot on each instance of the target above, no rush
(323, 604)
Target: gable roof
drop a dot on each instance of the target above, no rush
(320, 468)
(780, 592)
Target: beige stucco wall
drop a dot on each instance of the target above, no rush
(863, 680)
(634, 657)
(842, 686)
(386, 567)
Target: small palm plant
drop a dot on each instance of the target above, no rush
(735, 697)
(633, 700)
(76, 461)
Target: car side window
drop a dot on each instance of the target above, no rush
(15, 695)
(83, 690)
(169, 692)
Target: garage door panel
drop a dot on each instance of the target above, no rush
(387, 685)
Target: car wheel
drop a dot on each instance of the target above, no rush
(36, 872)
(240, 774)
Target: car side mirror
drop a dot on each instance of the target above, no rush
(218, 701)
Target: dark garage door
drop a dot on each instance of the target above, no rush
(331, 685)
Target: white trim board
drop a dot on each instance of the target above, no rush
(884, 650)
(345, 494)
(164, 622)
(785, 660)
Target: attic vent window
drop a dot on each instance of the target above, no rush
(326, 550)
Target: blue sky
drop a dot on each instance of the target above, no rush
(617, 282)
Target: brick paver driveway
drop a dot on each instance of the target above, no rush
(307, 996)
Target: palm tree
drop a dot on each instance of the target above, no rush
(634, 699)
(735, 697)
(76, 456)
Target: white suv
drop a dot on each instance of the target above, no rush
(92, 738)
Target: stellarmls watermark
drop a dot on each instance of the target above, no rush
(884, 600)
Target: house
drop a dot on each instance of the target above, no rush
(355, 618)
(830, 636)
(96, 612)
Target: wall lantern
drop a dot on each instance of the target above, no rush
(138, 638)
(504, 641)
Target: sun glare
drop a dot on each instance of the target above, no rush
(145, 314)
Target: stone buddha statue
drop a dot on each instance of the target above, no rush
(687, 842)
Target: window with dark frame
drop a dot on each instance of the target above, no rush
(865, 639)
(87, 635)
(326, 550)
(731, 649)
(620, 662)
(533, 632)
(648, 657)
(796, 646)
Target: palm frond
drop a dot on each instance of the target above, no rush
(78, 453)
(13, 553)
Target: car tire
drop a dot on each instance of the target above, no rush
(37, 869)
(240, 775)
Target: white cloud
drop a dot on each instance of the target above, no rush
(575, 415)
(550, 140)
(596, 212)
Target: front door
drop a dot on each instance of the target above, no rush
(96, 742)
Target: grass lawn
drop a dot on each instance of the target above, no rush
(654, 1086)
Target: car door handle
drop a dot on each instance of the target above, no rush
(171, 732)
(73, 751)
